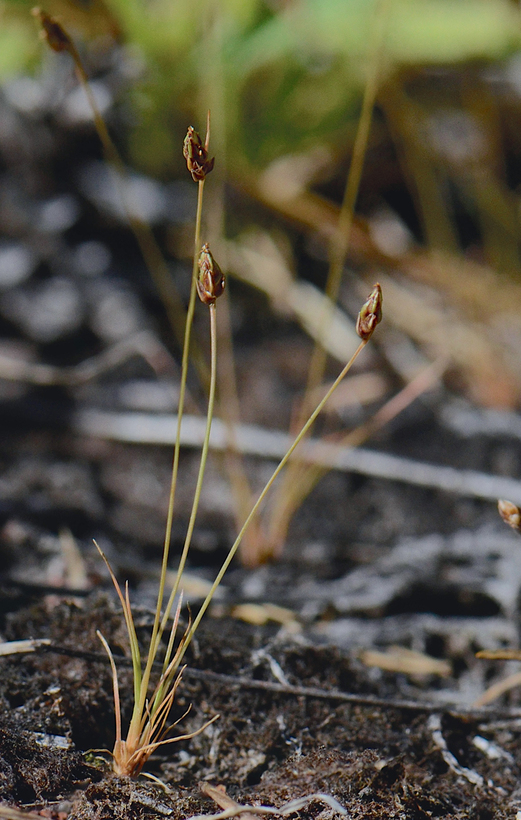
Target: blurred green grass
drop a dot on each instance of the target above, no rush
(285, 80)
(291, 73)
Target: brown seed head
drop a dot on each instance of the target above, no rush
(196, 156)
(370, 314)
(53, 31)
(510, 513)
(211, 281)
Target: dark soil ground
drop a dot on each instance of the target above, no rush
(332, 728)
(369, 564)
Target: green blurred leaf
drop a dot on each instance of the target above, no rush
(17, 48)
(290, 76)
(439, 31)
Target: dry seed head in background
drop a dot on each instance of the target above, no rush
(370, 314)
(196, 155)
(510, 513)
(52, 31)
(210, 281)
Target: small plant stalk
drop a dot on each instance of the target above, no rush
(370, 315)
(202, 467)
(147, 729)
(181, 404)
(310, 475)
(60, 40)
(147, 726)
(338, 250)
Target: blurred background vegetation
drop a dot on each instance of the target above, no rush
(288, 75)
(438, 209)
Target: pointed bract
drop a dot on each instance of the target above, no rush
(370, 314)
(211, 281)
(196, 155)
(53, 31)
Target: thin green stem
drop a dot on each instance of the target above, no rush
(305, 429)
(157, 629)
(338, 248)
(310, 475)
(150, 250)
(182, 393)
(340, 240)
(202, 467)
(181, 403)
(213, 87)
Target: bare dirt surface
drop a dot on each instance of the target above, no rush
(330, 728)
(283, 657)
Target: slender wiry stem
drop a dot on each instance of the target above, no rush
(150, 250)
(310, 475)
(213, 87)
(182, 395)
(305, 429)
(340, 240)
(202, 467)
(115, 686)
(338, 250)
(170, 666)
(157, 629)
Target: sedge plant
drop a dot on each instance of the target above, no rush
(149, 726)
(147, 730)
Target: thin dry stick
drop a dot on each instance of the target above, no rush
(271, 444)
(234, 682)
(233, 809)
(338, 248)
(10, 813)
(143, 343)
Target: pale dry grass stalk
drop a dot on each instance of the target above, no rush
(59, 40)
(338, 249)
